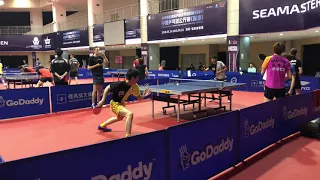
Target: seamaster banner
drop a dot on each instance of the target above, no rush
(73, 38)
(98, 33)
(132, 28)
(20, 43)
(258, 16)
(190, 22)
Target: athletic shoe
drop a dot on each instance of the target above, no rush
(93, 106)
(104, 129)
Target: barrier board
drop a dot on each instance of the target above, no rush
(203, 148)
(24, 102)
(259, 127)
(138, 157)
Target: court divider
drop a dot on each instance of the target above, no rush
(24, 102)
(196, 150)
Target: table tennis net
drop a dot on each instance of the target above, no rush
(196, 82)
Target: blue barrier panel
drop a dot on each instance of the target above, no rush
(166, 74)
(186, 74)
(72, 97)
(203, 148)
(138, 157)
(259, 127)
(315, 105)
(309, 84)
(293, 112)
(24, 102)
(237, 78)
(255, 83)
(163, 81)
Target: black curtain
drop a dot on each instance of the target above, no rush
(311, 60)
(171, 56)
(222, 56)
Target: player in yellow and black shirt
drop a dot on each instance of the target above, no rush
(120, 92)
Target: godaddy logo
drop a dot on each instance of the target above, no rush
(290, 114)
(258, 127)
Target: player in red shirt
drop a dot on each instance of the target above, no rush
(136, 62)
(26, 69)
(45, 76)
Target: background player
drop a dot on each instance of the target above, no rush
(95, 65)
(298, 69)
(74, 68)
(46, 76)
(60, 69)
(120, 93)
(278, 69)
(1, 72)
(26, 69)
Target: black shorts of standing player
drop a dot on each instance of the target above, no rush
(274, 93)
(58, 81)
(74, 74)
(98, 80)
(43, 79)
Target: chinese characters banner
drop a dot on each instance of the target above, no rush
(190, 22)
(233, 60)
(118, 59)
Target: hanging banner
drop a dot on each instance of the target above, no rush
(98, 33)
(73, 38)
(20, 43)
(190, 22)
(145, 53)
(275, 16)
(118, 59)
(49, 42)
(132, 28)
(233, 60)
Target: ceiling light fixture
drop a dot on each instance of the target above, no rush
(1, 2)
(251, 36)
(317, 31)
(281, 34)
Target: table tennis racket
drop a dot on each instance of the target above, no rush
(262, 57)
(97, 110)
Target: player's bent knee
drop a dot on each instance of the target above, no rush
(129, 114)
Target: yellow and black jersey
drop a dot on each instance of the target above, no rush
(122, 90)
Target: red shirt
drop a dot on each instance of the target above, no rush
(29, 69)
(45, 73)
(136, 63)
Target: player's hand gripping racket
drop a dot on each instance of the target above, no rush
(98, 108)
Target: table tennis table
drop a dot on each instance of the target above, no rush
(172, 92)
(21, 78)
(120, 73)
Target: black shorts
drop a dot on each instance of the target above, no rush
(274, 93)
(74, 74)
(43, 79)
(98, 80)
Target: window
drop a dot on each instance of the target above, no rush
(115, 17)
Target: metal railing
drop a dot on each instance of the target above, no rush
(117, 14)
(77, 23)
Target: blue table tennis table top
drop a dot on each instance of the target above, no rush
(192, 87)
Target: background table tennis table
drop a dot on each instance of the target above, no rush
(22, 79)
(172, 92)
(120, 73)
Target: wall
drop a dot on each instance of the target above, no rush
(298, 44)
(44, 58)
(200, 49)
(114, 4)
